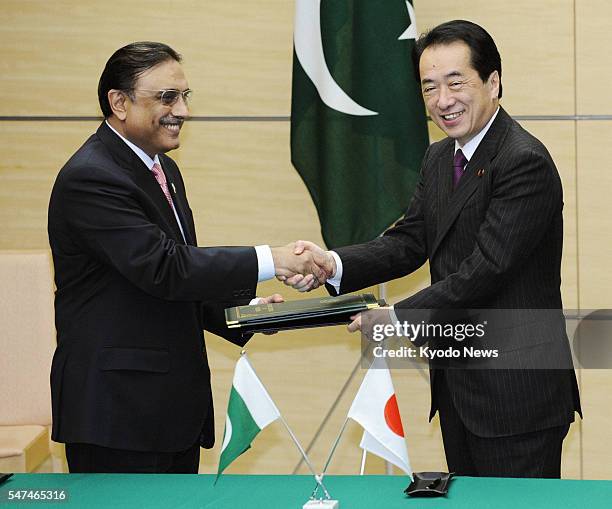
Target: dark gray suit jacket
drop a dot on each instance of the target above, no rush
(130, 370)
(493, 242)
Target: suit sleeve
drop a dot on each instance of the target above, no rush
(400, 251)
(213, 320)
(526, 196)
(103, 211)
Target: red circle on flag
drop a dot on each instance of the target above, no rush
(392, 416)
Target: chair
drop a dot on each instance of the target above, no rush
(27, 342)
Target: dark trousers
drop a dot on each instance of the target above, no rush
(535, 454)
(88, 458)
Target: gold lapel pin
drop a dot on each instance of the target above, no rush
(480, 172)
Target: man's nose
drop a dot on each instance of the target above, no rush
(445, 98)
(180, 107)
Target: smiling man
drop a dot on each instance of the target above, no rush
(130, 380)
(487, 215)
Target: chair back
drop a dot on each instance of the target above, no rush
(27, 337)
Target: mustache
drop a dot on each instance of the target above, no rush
(172, 120)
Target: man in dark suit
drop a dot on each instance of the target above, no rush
(130, 379)
(487, 214)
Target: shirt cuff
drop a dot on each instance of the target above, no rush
(254, 301)
(265, 263)
(336, 280)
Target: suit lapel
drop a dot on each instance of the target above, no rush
(455, 200)
(127, 158)
(168, 213)
(178, 201)
(444, 183)
(180, 209)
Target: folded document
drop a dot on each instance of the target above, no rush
(299, 314)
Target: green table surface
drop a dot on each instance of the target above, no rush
(283, 491)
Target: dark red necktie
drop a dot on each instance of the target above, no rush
(459, 163)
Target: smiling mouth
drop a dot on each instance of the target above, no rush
(452, 116)
(172, 124)
(173, 128)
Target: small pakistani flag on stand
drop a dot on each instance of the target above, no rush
(250, 409)
(358, 123)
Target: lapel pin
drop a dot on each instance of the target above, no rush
(480, 172)
(173, 188)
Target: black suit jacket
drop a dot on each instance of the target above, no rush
(493, 242)
(130, 370)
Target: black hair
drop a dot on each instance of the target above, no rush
(126, 65)
(484, 55)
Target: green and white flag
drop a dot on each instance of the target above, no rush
(358, 123)
(250, 409)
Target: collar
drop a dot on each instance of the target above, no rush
(137, 150)
(470, 147)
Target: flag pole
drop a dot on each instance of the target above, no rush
(333, 449)
(318, 478)
(331, 453)
(363, 460)
(382, 294)
(329, 413)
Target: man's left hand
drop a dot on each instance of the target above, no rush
(271, 299)
(366, 320)
(277, 297)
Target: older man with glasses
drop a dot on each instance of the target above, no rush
(130, 379)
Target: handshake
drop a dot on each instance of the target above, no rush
(303, 265)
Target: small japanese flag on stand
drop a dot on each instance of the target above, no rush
(375, 409)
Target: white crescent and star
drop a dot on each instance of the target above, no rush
(411, 32)
(228, 433)
(309, 50)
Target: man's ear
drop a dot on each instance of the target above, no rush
(494, 84)
(117, 100)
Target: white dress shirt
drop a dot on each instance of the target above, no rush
(470, 147)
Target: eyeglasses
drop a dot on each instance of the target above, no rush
(168, 97)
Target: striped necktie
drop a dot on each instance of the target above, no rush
(158, 173)
(459, 163)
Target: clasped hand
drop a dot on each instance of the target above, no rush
(303, 265)
(315, 267)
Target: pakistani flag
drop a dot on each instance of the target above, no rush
(250, 409)
(358, 124)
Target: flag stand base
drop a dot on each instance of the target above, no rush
(321, 504)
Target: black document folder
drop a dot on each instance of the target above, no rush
(299, 314)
